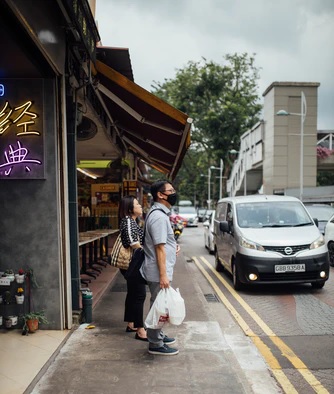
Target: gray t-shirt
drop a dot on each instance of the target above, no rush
(158, 230)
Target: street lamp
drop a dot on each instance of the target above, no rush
(302, 115)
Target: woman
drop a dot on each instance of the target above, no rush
(132, 236)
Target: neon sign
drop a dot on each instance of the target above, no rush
(21, 129)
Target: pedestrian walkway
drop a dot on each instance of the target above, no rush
(215, 356)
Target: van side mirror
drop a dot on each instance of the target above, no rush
(224, 227)
(316, 221)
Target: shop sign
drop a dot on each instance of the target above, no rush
(21, 129)
(129, 187)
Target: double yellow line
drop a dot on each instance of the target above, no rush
(262, 347)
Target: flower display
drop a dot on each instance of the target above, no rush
(20, 291)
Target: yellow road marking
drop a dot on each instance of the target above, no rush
(286, 351)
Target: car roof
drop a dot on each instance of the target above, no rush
(258, 198)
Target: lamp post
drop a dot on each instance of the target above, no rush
(209, 188)
(221, 178)
(303, 110)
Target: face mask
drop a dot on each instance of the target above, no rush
(171, 198)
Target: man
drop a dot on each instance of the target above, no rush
(160, 257)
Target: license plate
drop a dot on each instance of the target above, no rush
(289, 268)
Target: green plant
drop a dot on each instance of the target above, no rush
(40, 316)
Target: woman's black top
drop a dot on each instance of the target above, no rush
(131, 233)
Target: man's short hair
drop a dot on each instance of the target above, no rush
(159, 186)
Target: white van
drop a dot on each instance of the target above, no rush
(264, 239)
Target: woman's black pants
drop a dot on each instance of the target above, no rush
(134, 302)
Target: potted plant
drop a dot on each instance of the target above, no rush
(32, 321)
(20, 276)
(19, 295)
(9, 273)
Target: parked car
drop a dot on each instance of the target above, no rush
(322, 213)
(329, 239)
(189, 213)
(269, 239)
(201, 213)
(208, 226)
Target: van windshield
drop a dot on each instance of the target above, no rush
(272, 214)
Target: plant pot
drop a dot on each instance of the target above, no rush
(32, 325)
(19, 299)
(11, 277)
(10, 321)
(19, 278)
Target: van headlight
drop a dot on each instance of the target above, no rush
(246, 243)
(318, 242)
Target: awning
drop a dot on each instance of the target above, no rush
(154, 130)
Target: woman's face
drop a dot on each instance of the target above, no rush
(137, 209)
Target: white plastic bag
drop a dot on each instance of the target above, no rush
(167, 307)
(158, 314)
(176, 306)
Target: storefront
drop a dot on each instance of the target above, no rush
(50, 85)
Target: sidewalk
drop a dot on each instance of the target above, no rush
(215, 356)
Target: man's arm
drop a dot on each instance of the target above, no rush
(160, 252)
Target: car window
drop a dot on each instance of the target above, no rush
(322, 212)
(272, 214)
(187, 210)
(221, 212)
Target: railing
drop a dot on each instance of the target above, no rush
(249, 156)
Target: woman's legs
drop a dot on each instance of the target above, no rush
(134, 305)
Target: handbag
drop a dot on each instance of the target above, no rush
(136, 262)
(120, 256)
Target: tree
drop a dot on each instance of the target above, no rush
(222, 99)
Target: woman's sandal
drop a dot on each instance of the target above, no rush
(129, 329)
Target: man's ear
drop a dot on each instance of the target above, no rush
(160, 195)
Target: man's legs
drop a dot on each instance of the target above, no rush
(154, 336)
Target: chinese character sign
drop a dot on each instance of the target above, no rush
(21, 129)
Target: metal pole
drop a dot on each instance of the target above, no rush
(245, 181)
(302, 119)
(209, 181)
(221, 178)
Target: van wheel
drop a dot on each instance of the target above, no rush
(318, 285)
(219, 265)
(236, 281)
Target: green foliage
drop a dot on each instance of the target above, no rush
(40, 316)
(222, 99)
(325, 178)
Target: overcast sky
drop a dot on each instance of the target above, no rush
(293, 39)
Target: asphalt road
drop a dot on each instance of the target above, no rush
(292, 326)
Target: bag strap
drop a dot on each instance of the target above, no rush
(151, 211)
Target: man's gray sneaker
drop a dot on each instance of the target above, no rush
(168, 341)
(163, 351)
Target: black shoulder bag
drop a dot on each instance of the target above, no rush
(132, 273)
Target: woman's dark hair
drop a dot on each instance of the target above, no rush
(159, 186)
(126, 206)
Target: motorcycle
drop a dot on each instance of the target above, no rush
(177, 223)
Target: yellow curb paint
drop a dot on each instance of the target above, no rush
(286, 351)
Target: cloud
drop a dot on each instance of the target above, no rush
(292, 39)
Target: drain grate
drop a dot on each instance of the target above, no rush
(211, 298)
